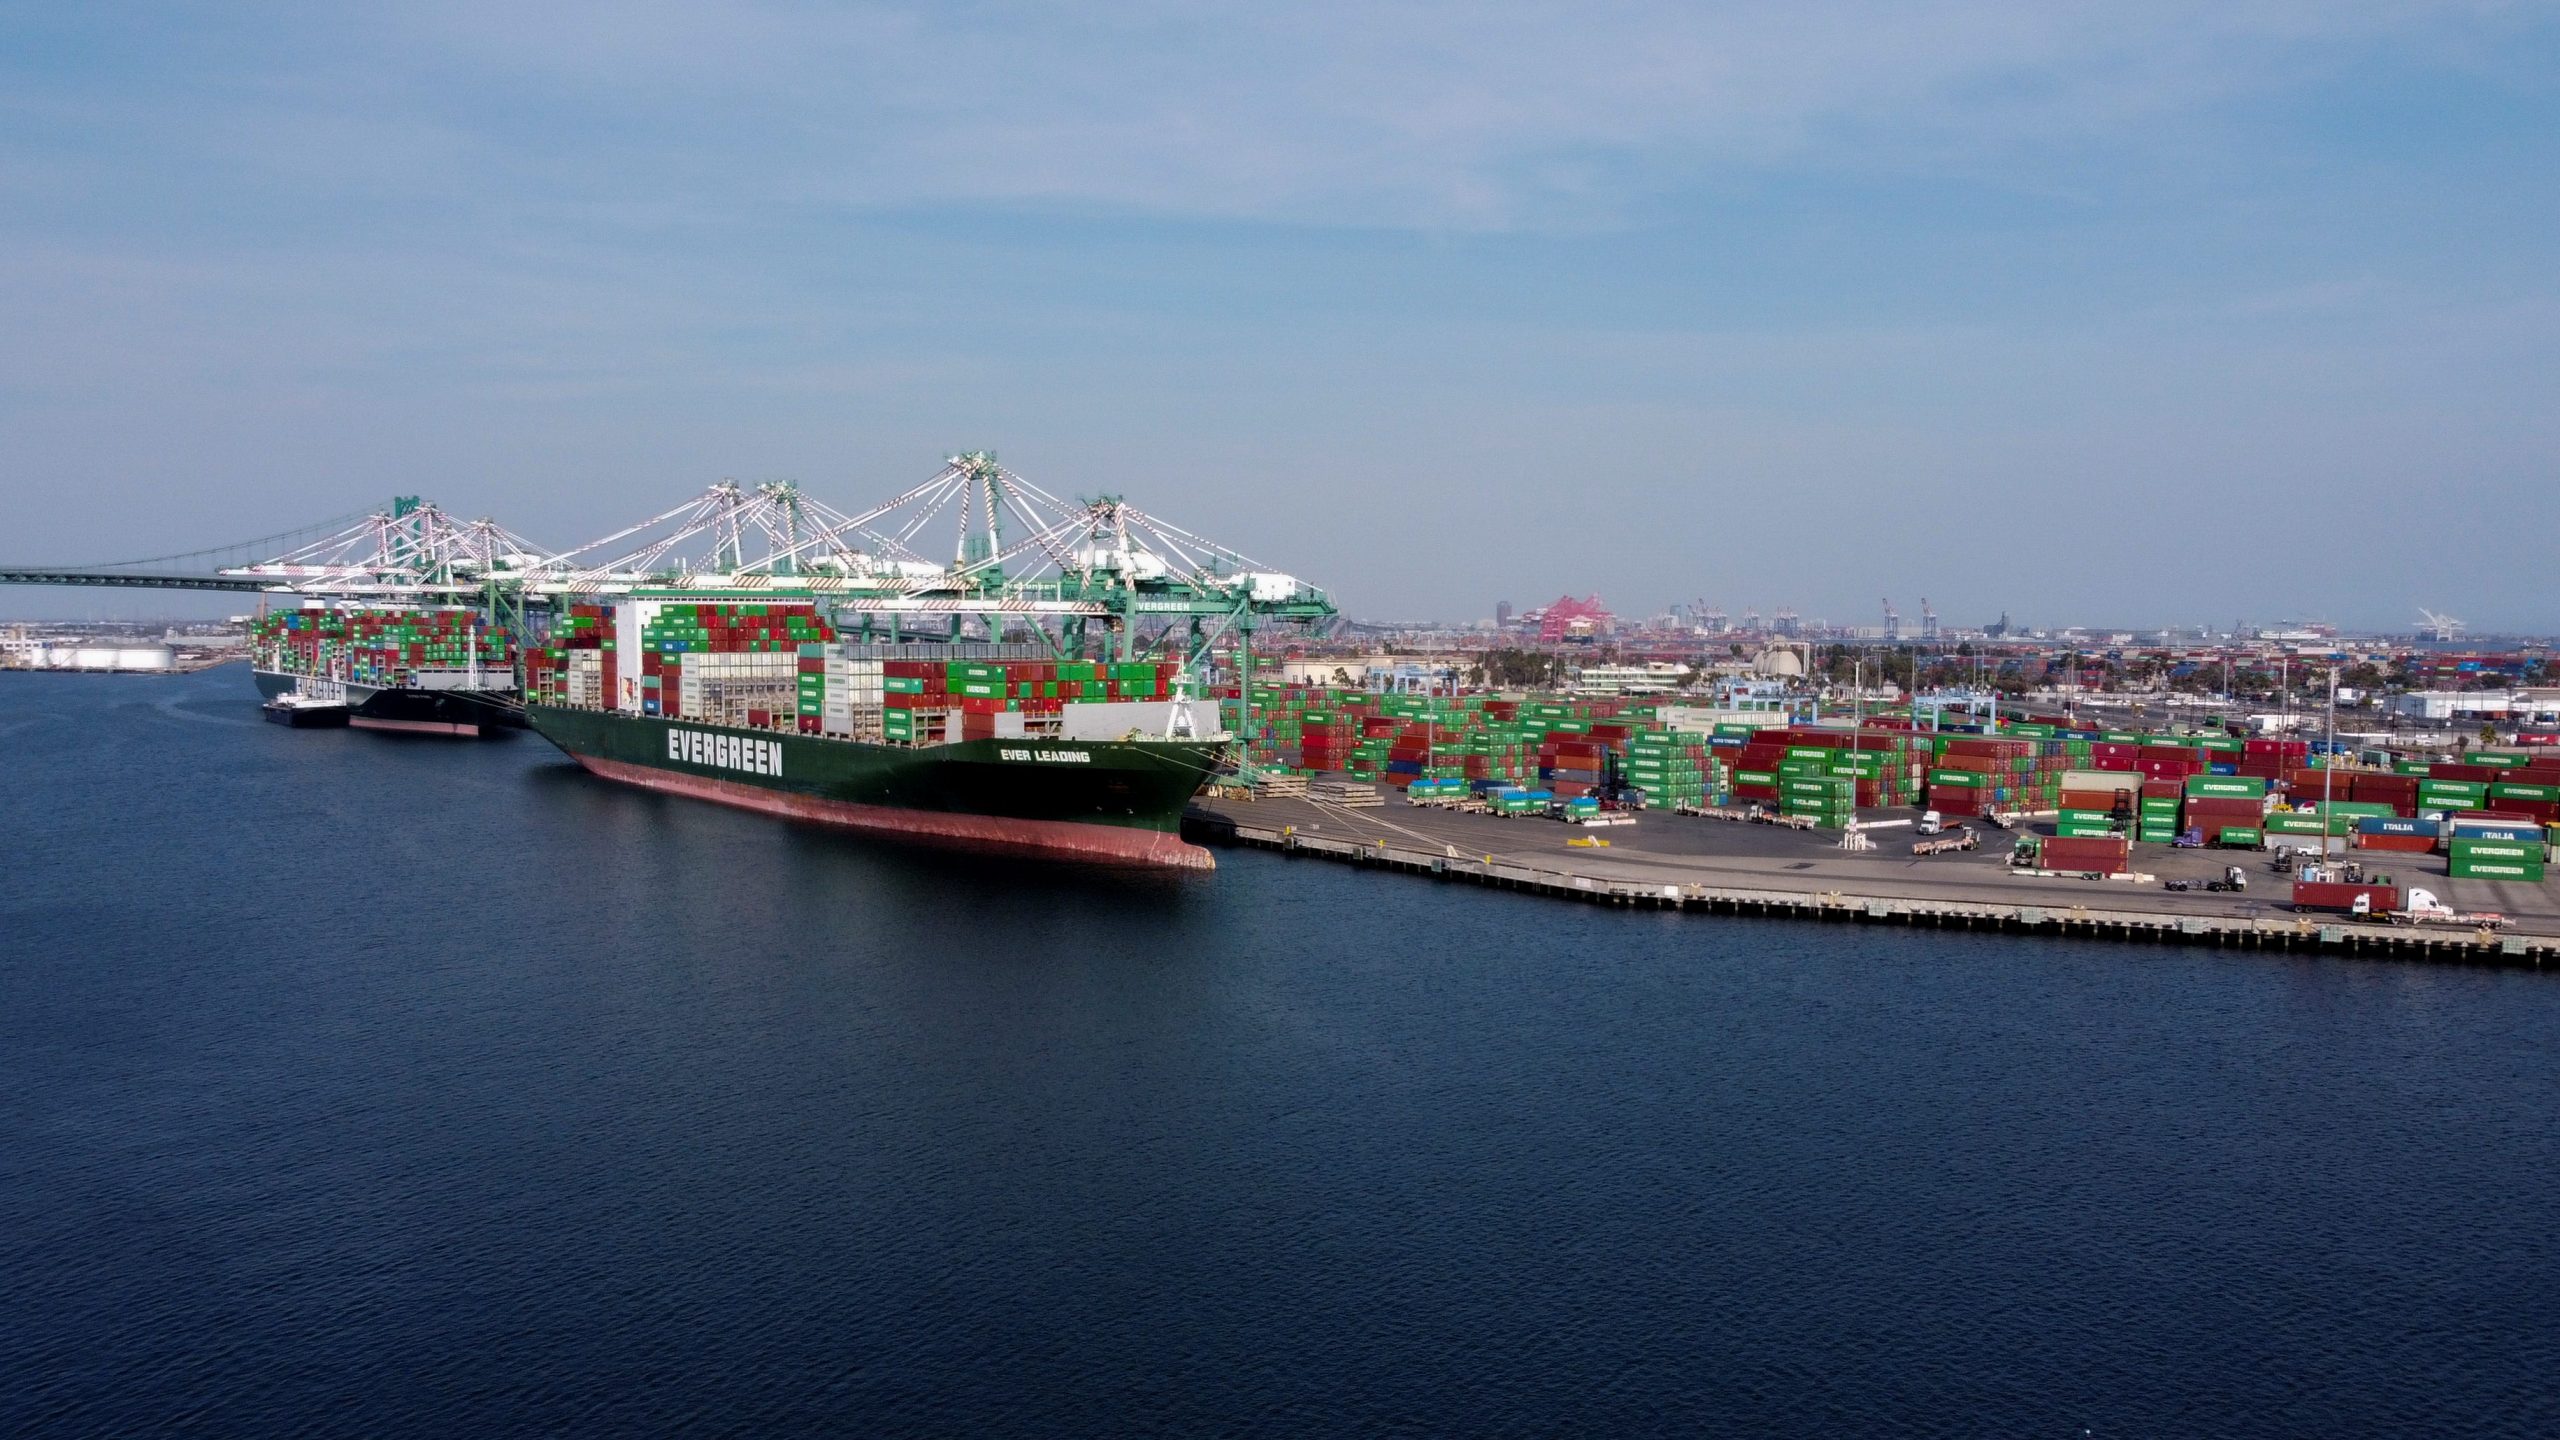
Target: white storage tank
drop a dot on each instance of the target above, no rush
(111, 657)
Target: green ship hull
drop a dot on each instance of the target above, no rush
(1103, 801)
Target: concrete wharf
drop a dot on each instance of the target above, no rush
(1730, 868)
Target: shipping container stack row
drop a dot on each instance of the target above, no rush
(1979, 774)
(382, 646)
(2500, 811)
(777, 665)
(1673, 767)
(761, 665)
(936, 701)
(1822, 773)
(2528, 790)
(2240, 803)
(1520, 756)
(1395, 738)
(579, 666)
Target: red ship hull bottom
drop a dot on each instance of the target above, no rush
(1062, 839)
(464, 729)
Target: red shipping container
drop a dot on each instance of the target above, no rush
(2225, 807)
(2335, 895)
(2090, 853)
(2091, 799)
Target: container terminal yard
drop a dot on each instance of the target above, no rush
(1087, 681)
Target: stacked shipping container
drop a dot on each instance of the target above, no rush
(929, 701)
(383, 647)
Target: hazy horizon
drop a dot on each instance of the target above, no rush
(2188, 311)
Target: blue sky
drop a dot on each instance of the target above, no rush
(2095, 313)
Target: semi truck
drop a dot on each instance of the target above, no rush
(2388, 904)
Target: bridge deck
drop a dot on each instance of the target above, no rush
(131, 579)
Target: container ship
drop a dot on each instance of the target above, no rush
(424, 671)
(763, 706)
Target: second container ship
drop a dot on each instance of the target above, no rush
(427, 671)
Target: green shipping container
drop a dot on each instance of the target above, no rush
(2462, 848)
(2495, 870)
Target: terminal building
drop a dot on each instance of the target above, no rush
(2455, 704)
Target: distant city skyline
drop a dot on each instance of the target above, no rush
(2075, 310)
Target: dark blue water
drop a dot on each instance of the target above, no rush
(358, 1086)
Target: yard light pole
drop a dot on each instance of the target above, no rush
(2329, 763)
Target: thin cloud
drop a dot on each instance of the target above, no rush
(1484, 115)
(1474, 114)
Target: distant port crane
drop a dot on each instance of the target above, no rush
(1021, 557)
(2443, 629)
(412, 550)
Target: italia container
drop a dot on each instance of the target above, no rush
(2471, 828)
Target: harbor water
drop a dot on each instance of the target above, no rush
(379, 1086)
